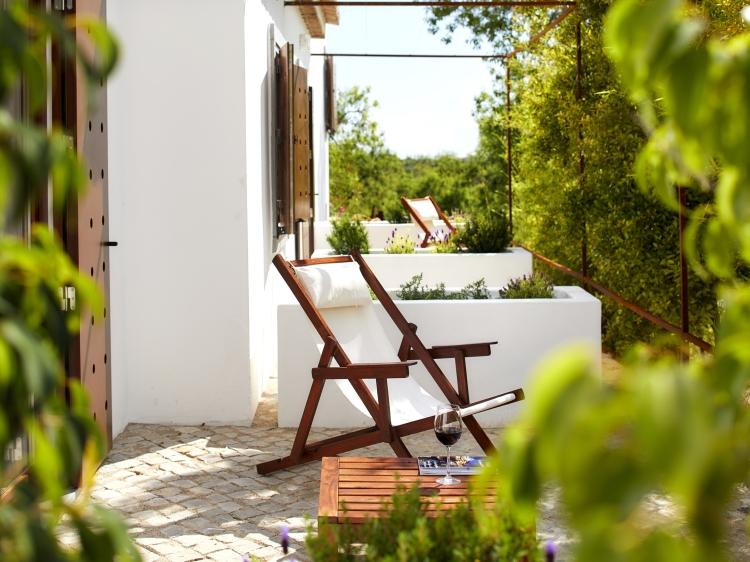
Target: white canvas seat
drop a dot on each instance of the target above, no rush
(334, 294)
(424, 213)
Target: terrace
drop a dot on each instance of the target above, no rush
(192, 493)
(207, 356)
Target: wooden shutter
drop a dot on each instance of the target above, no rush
(301, 161)
(332, 123)
(284, 151)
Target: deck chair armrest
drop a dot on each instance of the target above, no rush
(490, 403)
(398, 370)
(449, 351)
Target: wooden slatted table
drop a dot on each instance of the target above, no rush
(362, 484)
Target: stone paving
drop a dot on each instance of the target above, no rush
(193, 493)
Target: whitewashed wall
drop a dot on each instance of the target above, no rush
(189, 200)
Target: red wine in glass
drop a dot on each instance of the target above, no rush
(448, 428)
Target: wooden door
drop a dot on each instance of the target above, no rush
(84, 226)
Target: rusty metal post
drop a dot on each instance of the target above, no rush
(579, 97)
(684, 296)
(508, 142)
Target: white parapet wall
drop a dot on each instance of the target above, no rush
(526, 329)
(455, 270)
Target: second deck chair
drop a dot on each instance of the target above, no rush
(424, 212)
(333, 293)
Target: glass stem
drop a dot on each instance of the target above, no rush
(448, 464)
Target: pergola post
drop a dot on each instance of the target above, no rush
(508, 142)
(579, 97)
(684, 296)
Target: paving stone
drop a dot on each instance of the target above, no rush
(208, 546)
(192, 492)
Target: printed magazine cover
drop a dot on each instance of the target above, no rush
(435, 466)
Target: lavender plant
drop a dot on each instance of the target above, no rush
(399, 244)
(443, 243)
(535, 286)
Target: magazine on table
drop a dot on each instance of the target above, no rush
(435, 466)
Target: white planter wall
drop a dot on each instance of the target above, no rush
(526, 331)
(455, 270)
(377, 232)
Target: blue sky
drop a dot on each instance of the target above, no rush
(425, 104)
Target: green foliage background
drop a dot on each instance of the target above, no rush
(365, 174)
(632, 240)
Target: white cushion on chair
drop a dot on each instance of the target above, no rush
(335, 284)
(425, 209)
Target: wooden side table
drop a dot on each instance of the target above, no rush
(363, 484)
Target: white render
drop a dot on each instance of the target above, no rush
(455, 270)
(526, 329)
(189, 206)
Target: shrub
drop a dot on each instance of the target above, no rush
(484, 235)
(404, 532)
(394, 212)
(414, 291)
(398, 244)
(347, 235)
(535, 286)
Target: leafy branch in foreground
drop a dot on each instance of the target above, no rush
(34, 332)
(665, 427)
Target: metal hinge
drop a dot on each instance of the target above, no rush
(67, 298)
(63, 5)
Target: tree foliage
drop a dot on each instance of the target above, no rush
(365, 175)
(34, 332)
(632, 241)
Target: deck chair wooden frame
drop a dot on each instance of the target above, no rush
(418, 219)
(411, 350)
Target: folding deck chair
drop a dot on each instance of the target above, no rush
(424, 212)
(333, 293)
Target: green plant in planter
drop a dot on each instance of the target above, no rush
(404, 532)
(444, 243)
(484, 234)
(414, 291)
(399, 244)
(535, 286)
(347, 235)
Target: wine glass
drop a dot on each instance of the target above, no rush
(448, 428)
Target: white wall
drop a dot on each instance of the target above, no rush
(179, 198)
(193, 329)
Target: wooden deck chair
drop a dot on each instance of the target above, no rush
(424, 212)
(333, 293)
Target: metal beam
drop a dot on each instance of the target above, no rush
(399, 56)
(429, 4)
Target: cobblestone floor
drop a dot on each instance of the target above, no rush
(192, 493)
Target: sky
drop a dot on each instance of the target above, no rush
(425, 104)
